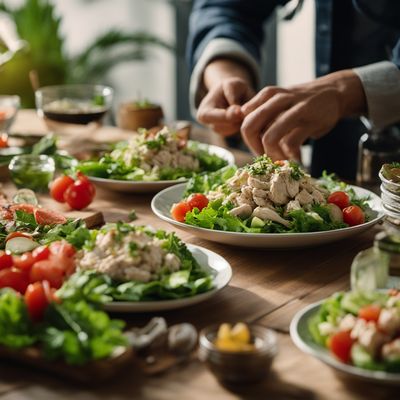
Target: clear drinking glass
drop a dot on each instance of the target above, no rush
(9, 106)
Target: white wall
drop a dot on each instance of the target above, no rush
(155, 78)
(296, 52)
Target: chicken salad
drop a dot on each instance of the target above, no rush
(153, 156)
(270, 197)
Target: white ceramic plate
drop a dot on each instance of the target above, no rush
(162, 202)
(117, 185)
(301, 337)
(209, 260)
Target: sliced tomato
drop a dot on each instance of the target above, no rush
(14, 278)
(6, 260)
(3, 140)
(340, 345)
(341, 199)
(41, 253)
(179, 211)
(353, 215)
(48, 217)
(24, 262)
(62, 248)
(47, 270)
(8, 211)
(36, 300)
(197, 200)
(13, 235)
(370, 312)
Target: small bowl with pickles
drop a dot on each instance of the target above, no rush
(238, 353)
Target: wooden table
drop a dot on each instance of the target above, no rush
(268, 287)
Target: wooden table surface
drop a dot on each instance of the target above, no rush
(268, 287)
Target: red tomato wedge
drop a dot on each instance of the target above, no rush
(370, 312)
(8, 211)
(24, 262)
(48, 217)
(41, 253)
(46, 270)
(14, 278)
(6, 260)
(36, 300)
(340, 345)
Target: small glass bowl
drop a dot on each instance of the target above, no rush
(9, 106)
(33, 172)
(240, 366)
(74, 104)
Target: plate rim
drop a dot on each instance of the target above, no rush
(267, 235)
(151, 306)
(322, 354)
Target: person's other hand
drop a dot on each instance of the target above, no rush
(278, 121)
(221, 107)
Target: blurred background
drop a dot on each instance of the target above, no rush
(136, 46)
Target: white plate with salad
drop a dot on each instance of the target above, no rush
(128, 268)
(268, 205)
(355, 333)
(150, 162)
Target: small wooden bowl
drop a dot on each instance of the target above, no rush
(132, 117)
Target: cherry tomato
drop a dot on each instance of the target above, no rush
(197, 200)
(280, 163)
(353, 215)
(340, 345)
(59, 186)
(62, 248)
(41, 253)
(79, 195)
(370, 312)
(46, 270)
(85, 179)
(17, 234)
(179, 210)
(6, 260)
(341, 199)
(48, 217)
(36, 300)
(3, 140)
(14, 278)
(24, 262)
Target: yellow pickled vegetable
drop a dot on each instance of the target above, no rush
(237, 338)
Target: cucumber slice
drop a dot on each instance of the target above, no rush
(362, 359)
(20, 245)
(257, 222)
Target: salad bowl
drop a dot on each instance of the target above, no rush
(163, 201)
(302, 338)
(143, 186)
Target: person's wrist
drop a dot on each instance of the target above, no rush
(224, 68)
(350, 93)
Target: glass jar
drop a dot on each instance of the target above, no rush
(33, 172)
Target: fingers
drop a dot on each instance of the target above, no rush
(257, 122)
(236, 91)
(225, 130)
(261, 97)
(286, 135)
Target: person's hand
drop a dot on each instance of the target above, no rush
(220, 109)
(278, 121)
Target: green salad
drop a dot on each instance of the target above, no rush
(268, 197)
(123, 262)
(361, 329)
(164, 155)
(72, 331)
